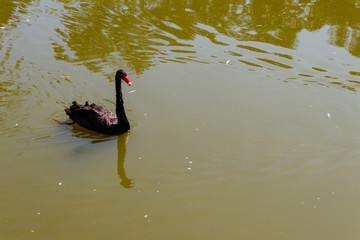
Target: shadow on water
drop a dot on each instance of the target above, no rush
(92, 136)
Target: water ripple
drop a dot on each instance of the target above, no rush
(275, 63)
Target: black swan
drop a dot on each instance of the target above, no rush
(100, 119)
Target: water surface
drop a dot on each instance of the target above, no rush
(244, 120)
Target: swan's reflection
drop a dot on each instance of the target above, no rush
(121, 147)
(96, 138)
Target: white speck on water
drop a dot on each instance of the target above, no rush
(328, 114)
(38, 213)
(94, 189)
(145, 114)
(132, 91)
(318, 199)
(190, 162)
(145, 216)
(189, 168)
(228, 61)
(186, 158)
(16, 124)
(140, 158)
(28, 20)
(196, 129)
(2, 28)
(60, 183)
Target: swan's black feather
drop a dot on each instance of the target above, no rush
(98, 118)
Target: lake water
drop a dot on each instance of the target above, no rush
(245, 119)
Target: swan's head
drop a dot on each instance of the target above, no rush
(123, 76)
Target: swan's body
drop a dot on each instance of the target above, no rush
(100, 119)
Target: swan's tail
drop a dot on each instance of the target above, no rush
(72, 107)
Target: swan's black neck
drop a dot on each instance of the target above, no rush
(123, 123)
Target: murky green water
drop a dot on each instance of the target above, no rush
(245, 120)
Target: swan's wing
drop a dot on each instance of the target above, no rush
(92, 116)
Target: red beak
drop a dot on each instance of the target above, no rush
(126, 79)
